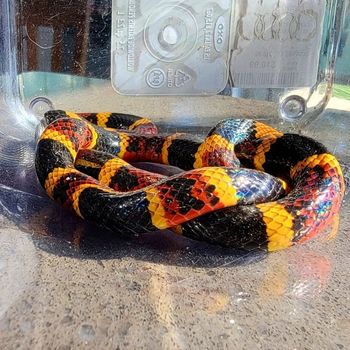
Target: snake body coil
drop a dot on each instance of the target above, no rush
(82, 163)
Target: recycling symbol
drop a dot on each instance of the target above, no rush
(181, 78)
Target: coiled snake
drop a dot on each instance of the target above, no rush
(288, 190)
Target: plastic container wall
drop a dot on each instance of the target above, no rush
(82, 44)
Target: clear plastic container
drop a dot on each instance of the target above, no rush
(190, 63)
(186, 65)
(71, 56)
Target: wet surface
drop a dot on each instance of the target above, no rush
(67, 284)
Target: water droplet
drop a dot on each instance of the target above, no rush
(26, 326)
(87, 333)
(67, 319)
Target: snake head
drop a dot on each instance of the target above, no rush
(54, 115)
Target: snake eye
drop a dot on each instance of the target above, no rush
(146, 129)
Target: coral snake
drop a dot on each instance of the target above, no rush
(245, 185)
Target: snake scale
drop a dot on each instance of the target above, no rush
(245, 185)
